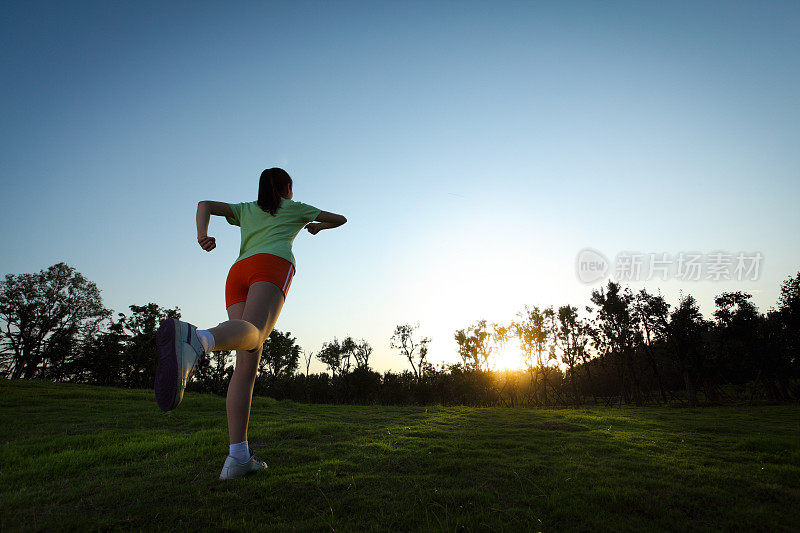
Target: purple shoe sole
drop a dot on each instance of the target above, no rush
(166, 382)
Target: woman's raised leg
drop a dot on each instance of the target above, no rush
(236, 334)
(260, 310)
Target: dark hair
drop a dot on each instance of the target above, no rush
(273, 183)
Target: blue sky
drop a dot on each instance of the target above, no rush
(475, 148)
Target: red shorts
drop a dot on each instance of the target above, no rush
(258, 267)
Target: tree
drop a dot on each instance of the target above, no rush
(215, 376)
(139, 356)
(307, 358)
(483, 339)
(348, 350)
(101, 360)
(571, 335)
(59, 353)
(533, 328)
(775, 356)
(476, 344)
(524, 330)
(43, 315)
(362, 384)
(123, 353)
(755, 343)
(501, 335)
(686, 329)
(415, 350)
(616, 332)
(466, 349)
(280, 356)
(587, 355)
(737, 322)
(653, 313)
(361, 353)
(331, 355)
(788, 314)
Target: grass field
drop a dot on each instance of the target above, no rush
(83, 457)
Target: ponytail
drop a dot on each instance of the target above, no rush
(272, 184)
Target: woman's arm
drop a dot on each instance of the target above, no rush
(205, 209)
(325, 220)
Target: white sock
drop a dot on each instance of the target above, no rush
(206, 339)
(240, 452)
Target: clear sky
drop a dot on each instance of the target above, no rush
(475, 148)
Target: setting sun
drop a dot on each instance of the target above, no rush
(508, 357)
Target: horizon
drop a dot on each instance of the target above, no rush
(475, 149)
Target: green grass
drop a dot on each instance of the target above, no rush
(82, 457)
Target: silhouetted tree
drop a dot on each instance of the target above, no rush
(751, 342)
(43, 316)
(788, 316)
(523, 329)
(483, 341)
(361, 353)
(331, 355)
(533, 328)
(686, 330)
(280, 356)
(571, 336)
(467, 350)
(101, 361)
(653, 313)
(358, 385)
(348, 349)
(616, 332)
(789, 301)
(775, 359)
(586, 355)
(501, 335)
(413, 349)
(307, 358)
(139, 362)
(214, 377)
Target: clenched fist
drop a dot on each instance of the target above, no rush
(314, 227)
(207, 243)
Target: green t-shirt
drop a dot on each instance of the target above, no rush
(264, 233)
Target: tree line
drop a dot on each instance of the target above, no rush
(626, 347)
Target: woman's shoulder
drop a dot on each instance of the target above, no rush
(295, 203)
(248, 210)
(290, 205)
(250, 206)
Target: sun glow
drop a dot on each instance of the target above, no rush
(508, 357)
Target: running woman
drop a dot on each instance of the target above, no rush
(254, 295)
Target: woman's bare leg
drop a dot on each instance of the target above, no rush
(236, 334)
(261, 310)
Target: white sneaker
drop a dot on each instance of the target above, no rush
(233, 468)
(180, 353)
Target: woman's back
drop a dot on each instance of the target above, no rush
(264, 233)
